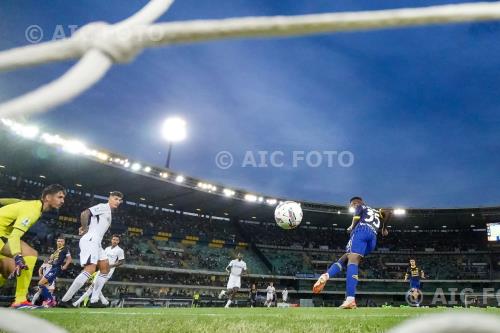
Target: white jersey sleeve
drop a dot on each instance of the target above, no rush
(121, 254)
(99, 209)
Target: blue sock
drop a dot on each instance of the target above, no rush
(335, 269)
(46, 295)
(351, 279)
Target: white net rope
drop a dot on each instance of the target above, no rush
(99, 45)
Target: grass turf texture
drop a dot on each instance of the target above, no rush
(155, 320)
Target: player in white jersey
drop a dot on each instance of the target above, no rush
(235, 269)
(270, 292)
(95, 222)
(284, 295)
(116, 257)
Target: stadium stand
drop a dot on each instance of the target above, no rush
(179, 241)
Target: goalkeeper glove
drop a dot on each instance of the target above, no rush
(20, 265)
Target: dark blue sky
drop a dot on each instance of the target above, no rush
(419, 108)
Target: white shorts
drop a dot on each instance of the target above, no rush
(234, 282)
(269, 297)
(91, 252)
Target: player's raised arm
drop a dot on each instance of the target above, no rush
(84, 221)
(385, 216)
(358, 209)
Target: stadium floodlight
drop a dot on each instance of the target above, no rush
(127, 164)
(179, 179)
(74, 147)
(173, 130)
(228, 192)
(26, 131)
(2, 166)
(78, 185)
(338, 212)
(147, 169)
(136, 167)
(271, 202)
(52, 139)
(399, 211)
(226, 214)
(260, 199)
(142, 199)
(250, 197)
(163, 175)
(102, 156)
(29, 132)
(351, 210)
(444, 226)
(42, 176)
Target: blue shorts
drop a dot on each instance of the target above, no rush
(51, 275)
(363, 241)
(415, 283)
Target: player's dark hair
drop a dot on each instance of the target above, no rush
(116, 194)
(53, 189)
(355, 198)
(115, 235)
(61, 237)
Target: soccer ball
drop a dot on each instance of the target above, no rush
(288, 215)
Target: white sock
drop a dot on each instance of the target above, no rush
(103, 299)
(349, 299)
(87, 293)
(76, 285)
(228, 303)
(98, 284)
(35, 297)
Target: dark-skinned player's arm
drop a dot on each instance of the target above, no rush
(385, 216)
(355, 220)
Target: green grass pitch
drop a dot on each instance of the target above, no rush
(155, 320)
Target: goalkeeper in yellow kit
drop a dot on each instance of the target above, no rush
(18, 259)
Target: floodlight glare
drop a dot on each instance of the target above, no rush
(174, 129)
(399, 211)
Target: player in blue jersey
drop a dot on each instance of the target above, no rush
(415, 274)
(60, 261)
(363, 230)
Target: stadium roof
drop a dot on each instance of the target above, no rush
(100, 172)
